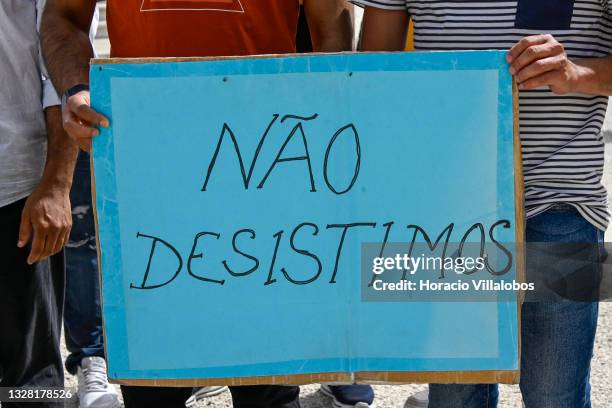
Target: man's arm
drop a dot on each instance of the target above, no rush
(595, 76)
(47, 218)
(331, 24)
(65, 41)
(540, 60)
(535, 61)
(384, 30)
(67, 50)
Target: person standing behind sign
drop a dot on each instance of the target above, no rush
(36, 165)
(82, 312)
(563, 79)
(145, 28)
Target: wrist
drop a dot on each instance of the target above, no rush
(58, 183)
(73, 90)
(585, 79)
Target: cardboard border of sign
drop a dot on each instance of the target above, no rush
(373, 377)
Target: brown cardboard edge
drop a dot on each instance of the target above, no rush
(383, 377)
(296, 379)
(465, 377)
(519, 199)
(519, 205)
(155, 60)
(98, 248)
(440, 377)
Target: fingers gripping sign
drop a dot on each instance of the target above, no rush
(80, 121)
(540, 60)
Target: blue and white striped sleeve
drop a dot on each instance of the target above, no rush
(382, 4)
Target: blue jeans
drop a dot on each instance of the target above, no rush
(82, 314)
(557, 337)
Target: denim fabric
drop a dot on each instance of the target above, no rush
(557, 337)
(82, 315)
(353, 394)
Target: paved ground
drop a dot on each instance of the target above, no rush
(394, 396)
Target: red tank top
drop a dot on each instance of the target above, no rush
(201, 28)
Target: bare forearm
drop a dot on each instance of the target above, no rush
(384, 30)
(340, 36)
(62, 152)
(541, 61)
(331, 25)
(46, 217)
(594, 76)
(65, 43)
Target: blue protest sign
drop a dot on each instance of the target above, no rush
(233, 198)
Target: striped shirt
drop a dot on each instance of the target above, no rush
(562, 143)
